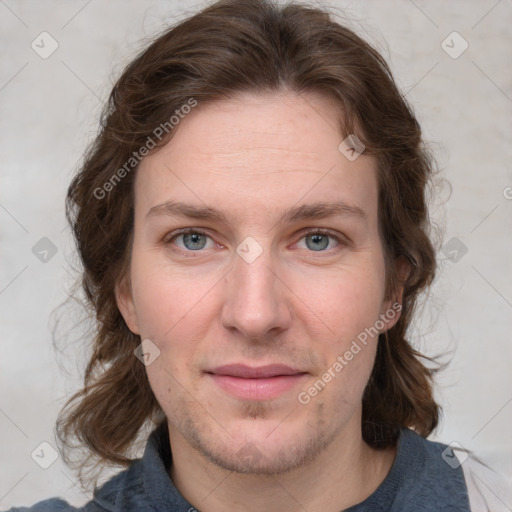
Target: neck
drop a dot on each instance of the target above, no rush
(344, 474)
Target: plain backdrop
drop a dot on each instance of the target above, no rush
(49, 113)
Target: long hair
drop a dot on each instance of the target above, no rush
(230, 47)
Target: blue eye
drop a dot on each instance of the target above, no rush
(192, 240)
(318, 241)
(196, 240)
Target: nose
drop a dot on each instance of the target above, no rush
(256, 301)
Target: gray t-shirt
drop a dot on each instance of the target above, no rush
(420, 480)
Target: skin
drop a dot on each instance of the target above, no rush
(253, 157)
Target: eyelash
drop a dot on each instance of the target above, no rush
(310, 231)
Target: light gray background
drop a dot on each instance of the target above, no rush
(49, 112)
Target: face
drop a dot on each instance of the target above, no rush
(256, 264)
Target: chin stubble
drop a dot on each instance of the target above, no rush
(250, 458)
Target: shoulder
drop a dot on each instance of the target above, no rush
(106, 498)
(487, 489)
(423, 478)
(145, 483)
(452, 468)
(433, 474)
(55, 505)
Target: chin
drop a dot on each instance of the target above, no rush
(266, 458)
(259, 446)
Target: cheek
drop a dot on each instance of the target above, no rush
(341, 383)
(174, 311)
(167, 298)
(349, 304)
(347, 299)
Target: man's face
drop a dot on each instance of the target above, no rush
(248, 312)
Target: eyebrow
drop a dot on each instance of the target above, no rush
(318, 210)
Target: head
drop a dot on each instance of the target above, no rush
(245, 125)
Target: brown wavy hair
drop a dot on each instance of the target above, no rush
(229, 47)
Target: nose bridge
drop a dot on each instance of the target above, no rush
(255, 301)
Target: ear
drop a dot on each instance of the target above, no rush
(124, 300)
(393, 306)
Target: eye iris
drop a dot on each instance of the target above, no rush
(317, 241)
(195, 239)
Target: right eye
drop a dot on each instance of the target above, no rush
(189, 240)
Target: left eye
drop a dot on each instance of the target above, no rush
(319, 241)
(193, 240)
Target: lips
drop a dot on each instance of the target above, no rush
(250, 372)
(256, 383)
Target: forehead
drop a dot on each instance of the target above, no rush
(258, 153)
